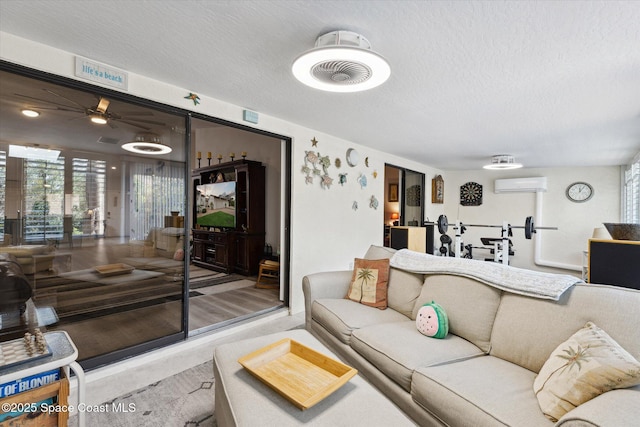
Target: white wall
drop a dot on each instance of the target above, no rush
(326, 233)
(575, 221)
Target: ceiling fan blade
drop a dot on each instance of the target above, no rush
(64, 97)
(151, 122)
(71, 110)
(133, 124)
(103, 105)
(136, 113)
(80, 110)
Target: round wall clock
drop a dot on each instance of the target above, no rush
(471, 194)
(579, 192)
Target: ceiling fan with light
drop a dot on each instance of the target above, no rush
(97, 114)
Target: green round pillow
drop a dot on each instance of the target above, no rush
(432, 320)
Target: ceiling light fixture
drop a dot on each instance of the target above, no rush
(503, 162)
(147, 143)
(99, 118)
(341, 61)
(30, 113)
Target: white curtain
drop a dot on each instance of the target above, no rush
(157, 188)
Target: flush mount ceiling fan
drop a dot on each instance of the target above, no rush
(98, 113)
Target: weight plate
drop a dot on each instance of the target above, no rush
(443, 224)
(529, 228)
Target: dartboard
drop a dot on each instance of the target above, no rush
(471, 194)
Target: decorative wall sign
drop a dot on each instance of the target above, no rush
(437, 189)
(471, 194)
(101, 73)
(414, 194)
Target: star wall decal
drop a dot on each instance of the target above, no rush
(314, 142)
(195, 98)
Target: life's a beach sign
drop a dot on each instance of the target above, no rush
(100, 73)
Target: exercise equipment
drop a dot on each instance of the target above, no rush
(529, 226)
(500, 253)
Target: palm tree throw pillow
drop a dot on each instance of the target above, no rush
(369, 282)
(586, 365)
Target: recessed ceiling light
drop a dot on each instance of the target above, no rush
(341, 61)
(30, 113)
(503, 162)
(147, 143)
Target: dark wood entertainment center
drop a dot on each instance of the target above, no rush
(241, 248)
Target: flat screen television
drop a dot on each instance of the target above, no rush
(216, 205)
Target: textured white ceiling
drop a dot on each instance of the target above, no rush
(555, 83)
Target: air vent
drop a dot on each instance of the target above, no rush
(107, 140)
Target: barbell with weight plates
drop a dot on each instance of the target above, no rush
(529, 226)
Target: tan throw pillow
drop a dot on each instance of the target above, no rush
(586, 365)
(369, 282)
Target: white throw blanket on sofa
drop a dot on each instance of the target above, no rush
(511, 279)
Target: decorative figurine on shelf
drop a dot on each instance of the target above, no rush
(209, 157)
(199, 156)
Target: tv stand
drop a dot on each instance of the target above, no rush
(238, 249)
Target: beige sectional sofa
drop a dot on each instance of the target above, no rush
(483, 372)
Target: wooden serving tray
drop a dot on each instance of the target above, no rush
(301, 375)
(114, 269)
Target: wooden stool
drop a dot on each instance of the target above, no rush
(268, 275)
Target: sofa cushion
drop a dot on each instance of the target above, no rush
(482, 391)
(470, 305)
(398, 348)
(342, 316)
(526, 330)
(403, 288)
(588, 364)
(369, 282)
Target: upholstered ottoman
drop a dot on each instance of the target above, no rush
(243, 400)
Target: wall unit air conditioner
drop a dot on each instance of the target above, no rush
(521, 185)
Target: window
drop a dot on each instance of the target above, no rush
(631, 193)
(43, 199)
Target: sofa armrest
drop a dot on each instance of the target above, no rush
(620, 407)
(329, 284)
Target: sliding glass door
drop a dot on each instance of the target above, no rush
(90, 224)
